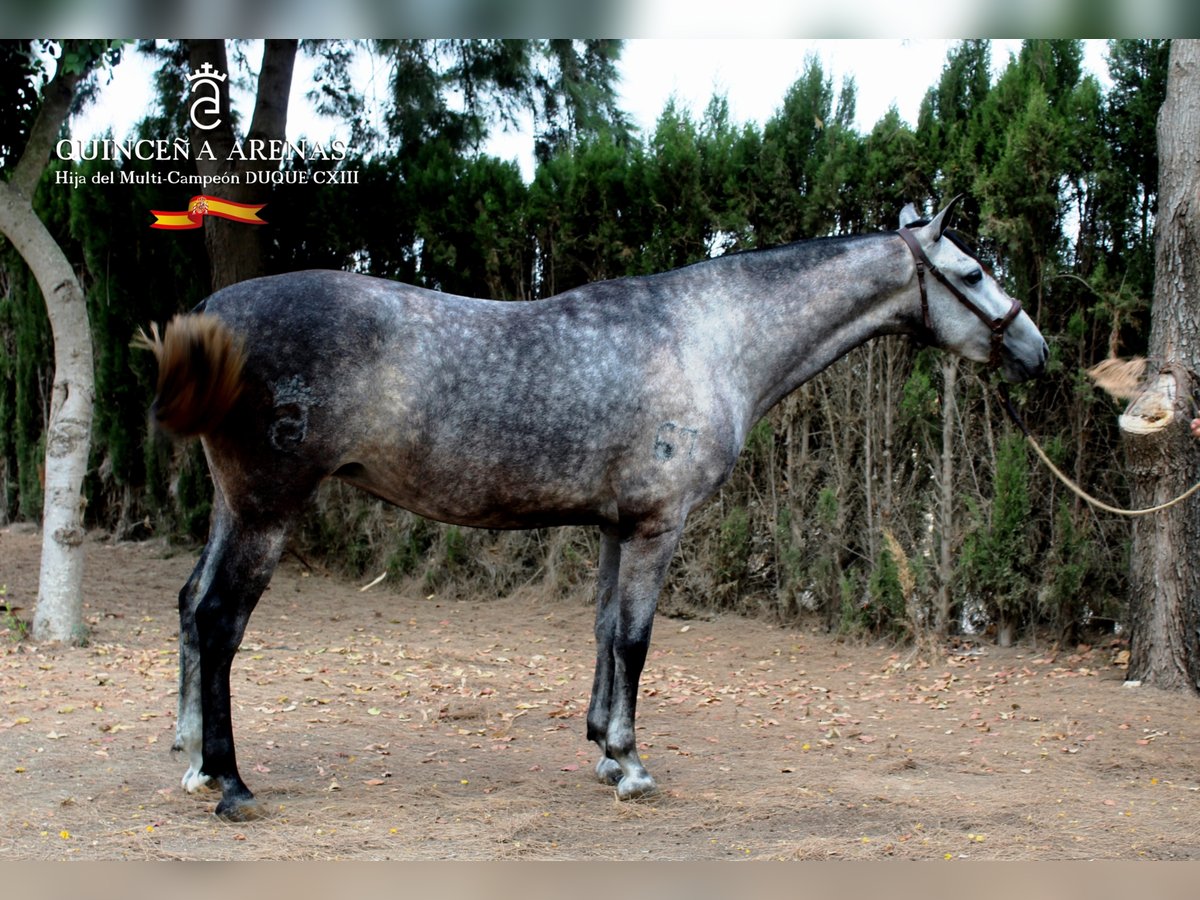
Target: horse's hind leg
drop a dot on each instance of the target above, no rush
(608, 770)
(189, 724)
(214, 607)
(643, 566)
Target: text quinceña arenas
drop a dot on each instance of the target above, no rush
(181, 149)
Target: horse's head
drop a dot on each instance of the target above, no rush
(964, 308)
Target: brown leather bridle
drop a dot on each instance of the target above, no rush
(997, 326)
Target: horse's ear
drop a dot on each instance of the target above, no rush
(933, 231)
(908, 215)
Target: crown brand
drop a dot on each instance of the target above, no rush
(205, 111)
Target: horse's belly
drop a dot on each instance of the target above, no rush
(501, 500)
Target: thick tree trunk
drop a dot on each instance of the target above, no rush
(1164, 576)
(1164, 459)
(235, 250)
(59, 612)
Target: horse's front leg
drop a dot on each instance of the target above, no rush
(643, 567)
(608, 770)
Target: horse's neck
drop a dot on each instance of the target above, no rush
(796, 321)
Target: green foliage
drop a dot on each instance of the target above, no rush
(827, 507)
(577, 98)
(894, 170)
(471, 219)
(920, 407)
(128, 288)
(448, 557)
(9, 489)
(456, 547)
(1038, 146)
(809, 156)
(26, 400)
(789, 559)
(76, 57)
(23, 72)
(193, 493)
(1074, 560)
(853, 618)
(412, 544)
(997, 557)
(825, 569)
(733, 546)
(951, 130)
(728, 162)
(680, 217)
(885, 614)
(17, 628)
(760, 439)
(20, 77)
(587, 214)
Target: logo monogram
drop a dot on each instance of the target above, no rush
(207, 83)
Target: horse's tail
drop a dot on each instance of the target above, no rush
(200, 364)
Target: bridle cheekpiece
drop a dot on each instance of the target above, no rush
(997, 326)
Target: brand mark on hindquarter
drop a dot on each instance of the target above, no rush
(673, 440)
(292, 401)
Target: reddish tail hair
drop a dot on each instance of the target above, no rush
(200, 365)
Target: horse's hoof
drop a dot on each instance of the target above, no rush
(193, 780)
(239, 809)
(608, 771)
(633, 786)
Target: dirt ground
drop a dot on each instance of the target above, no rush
(389, 725)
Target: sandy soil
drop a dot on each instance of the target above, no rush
(390, 725)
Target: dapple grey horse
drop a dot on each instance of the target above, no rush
(621, 404)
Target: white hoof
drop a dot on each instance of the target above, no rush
(193, 780)
(608, 771)
(633, 786)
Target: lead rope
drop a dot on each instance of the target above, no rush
(1002, 390)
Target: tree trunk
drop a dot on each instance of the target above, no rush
(59, 612)
(1006, 630)
(1163, 458)
(945, 568)
(1164, 576)
(235, 250)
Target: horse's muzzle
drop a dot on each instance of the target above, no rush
(1017, 367)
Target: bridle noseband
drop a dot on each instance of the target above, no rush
(997, 326)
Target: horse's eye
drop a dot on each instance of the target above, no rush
(973, 277)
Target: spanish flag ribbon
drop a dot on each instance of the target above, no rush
(201, 206)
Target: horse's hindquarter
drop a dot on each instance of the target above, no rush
(580, 409)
